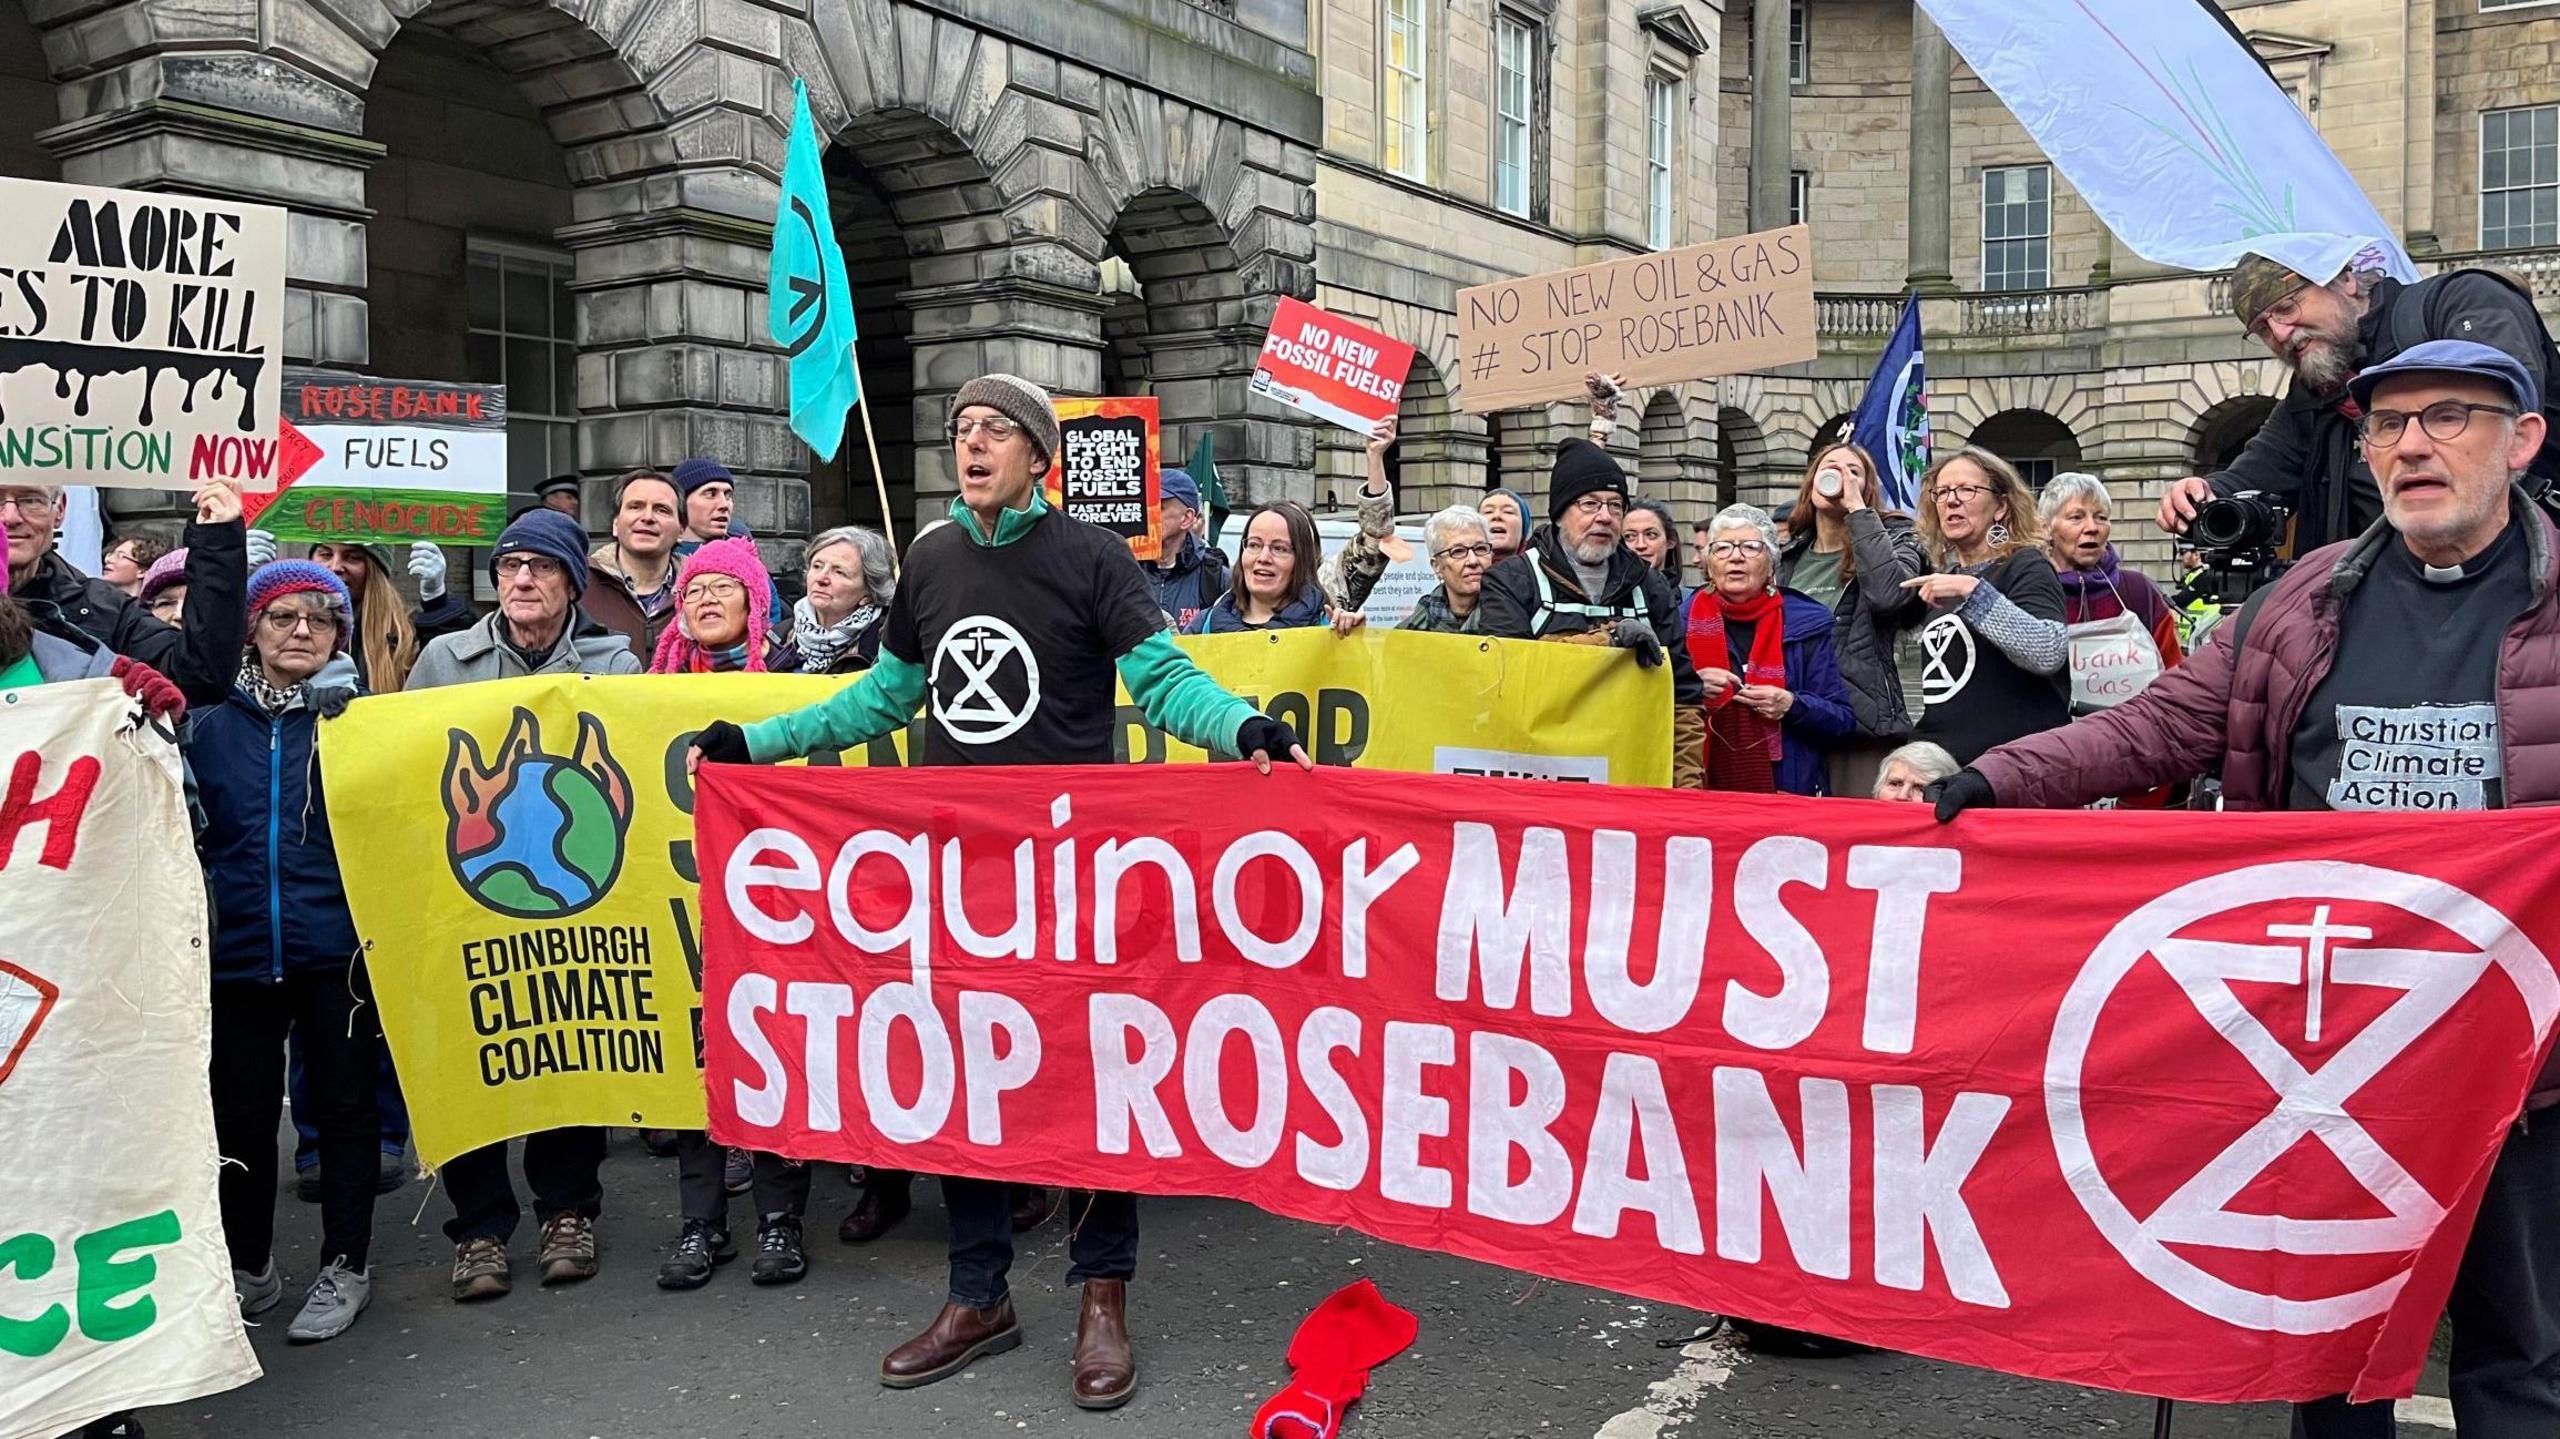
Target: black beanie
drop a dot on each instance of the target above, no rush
(1582, 468)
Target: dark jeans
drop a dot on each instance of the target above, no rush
(386, 1097)
(1102, 1237)
(781, 1187)
(2505, 1309)
(334, 1010)
(560, 1167)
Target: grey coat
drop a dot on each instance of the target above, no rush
(58, 660)
(1872, 610)
(478, 653)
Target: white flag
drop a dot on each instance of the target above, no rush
(2168, 126)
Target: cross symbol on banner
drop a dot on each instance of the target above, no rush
(2310, 1102)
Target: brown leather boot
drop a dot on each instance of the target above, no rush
(955, 1339)
(1033, 1204)
(1106, 1373)
(881, 1205)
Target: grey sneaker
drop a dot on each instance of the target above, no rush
(337, 1297)
(258, 1292)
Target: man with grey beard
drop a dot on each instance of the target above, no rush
(2306, 453)
(1575, 582)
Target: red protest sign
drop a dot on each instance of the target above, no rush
(1330, 367)
(1107, 470)
(2181, 1105)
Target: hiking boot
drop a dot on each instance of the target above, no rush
(780, 1258)
(738, 1172)
(568, 1248)
(702, 1247)
(880, 1206)
(258, 1292)
(337, 1297)
(480, 1270)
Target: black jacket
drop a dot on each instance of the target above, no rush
(1511, 603)
(1872, 609)
(2307, 450)
(205, 660)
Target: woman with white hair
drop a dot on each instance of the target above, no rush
(1909, 771)
(834, 628)
(1775, 700)
(1461, 550)
(2123, 630)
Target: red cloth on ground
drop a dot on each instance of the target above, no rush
(1353, 1331)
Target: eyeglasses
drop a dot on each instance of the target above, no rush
(33, 504)
(1959, 493)
(1727, 549)
(541, 567)
(1477, 551)
(282, 622)
(1595, 505)
(2443, 420)
(715, 590)
(1275, 549)
(2284, 311)
(997, 428)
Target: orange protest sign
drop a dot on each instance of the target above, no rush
(1715, 309)
(1106, 471)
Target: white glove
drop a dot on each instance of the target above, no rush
(427, 567)
(262, 548)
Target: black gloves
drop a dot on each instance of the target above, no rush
(1636, 635)
(723, 743)
(1266, 735)
(1959, 792)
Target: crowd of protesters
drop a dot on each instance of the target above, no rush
(1788, 639)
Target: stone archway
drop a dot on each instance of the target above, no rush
(1742, 460)
(1180, 330)
(2037, 443)
(2222, 432)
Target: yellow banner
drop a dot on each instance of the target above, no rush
(519, 855)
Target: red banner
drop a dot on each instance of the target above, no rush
(1330, 367)
(2195, 1106)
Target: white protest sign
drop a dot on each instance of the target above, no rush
(115, 1287)
(141, 337)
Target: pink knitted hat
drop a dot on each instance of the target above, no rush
(736, 558)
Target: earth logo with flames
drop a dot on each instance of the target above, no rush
(532, 834)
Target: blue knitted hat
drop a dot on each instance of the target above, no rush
(278, 578)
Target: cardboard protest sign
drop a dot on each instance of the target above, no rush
(519, 855)
(396, 461)
(1714, 309)
(1333, 369)
(1107, 468)
(2215, 1129)
(141, 337)
(115, 1285)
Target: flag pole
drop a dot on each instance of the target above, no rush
(879, 482)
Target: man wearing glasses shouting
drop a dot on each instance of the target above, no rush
(96, 615)
(2325, 331)
(1575, 582)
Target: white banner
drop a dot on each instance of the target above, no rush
(2173, 132)
(115, 1288)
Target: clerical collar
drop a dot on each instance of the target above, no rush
(2477, 564)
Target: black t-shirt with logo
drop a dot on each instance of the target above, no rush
(1018, 641)
(1976, 697)
(2407, 717)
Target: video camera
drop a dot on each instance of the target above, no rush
(2237, 537)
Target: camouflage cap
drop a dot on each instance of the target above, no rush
(2256, 284)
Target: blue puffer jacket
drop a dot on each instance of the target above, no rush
(1223, 618)
(1821, 717)
(279, 905)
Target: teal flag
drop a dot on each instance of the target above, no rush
(808, 303)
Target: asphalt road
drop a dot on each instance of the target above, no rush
(1220, 1289)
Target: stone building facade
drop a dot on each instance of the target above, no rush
(2047, 342)
(575, 197)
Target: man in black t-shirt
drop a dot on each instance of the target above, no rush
(1009, 627)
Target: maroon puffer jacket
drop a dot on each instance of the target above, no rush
(2239, 710)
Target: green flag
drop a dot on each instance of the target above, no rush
(808, 303)
(1204, 473)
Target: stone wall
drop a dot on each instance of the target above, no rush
(26, 99)
(2487, 61)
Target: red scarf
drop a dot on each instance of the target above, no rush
(1742, 748)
